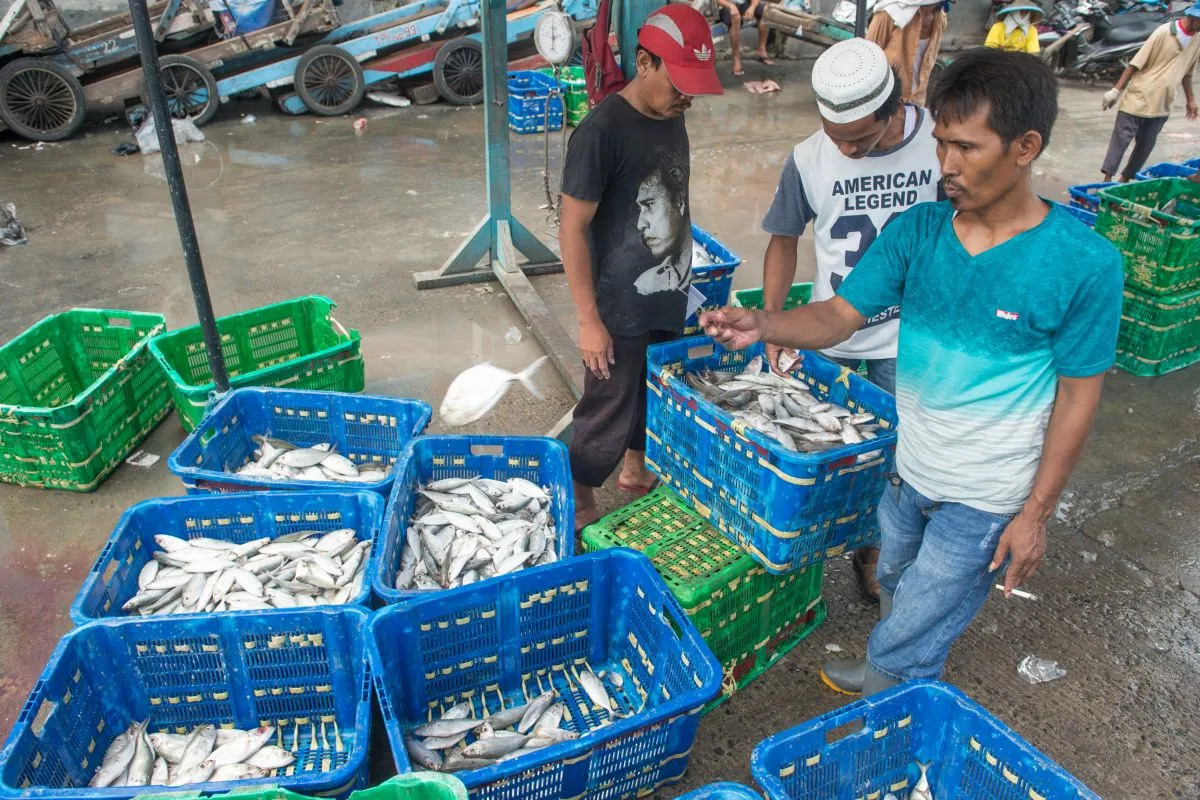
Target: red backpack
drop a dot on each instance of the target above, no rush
(604, 76)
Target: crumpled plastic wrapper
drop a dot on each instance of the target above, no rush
(1039, 670)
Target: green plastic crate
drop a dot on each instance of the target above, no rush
(798, 295)
(1162, 250)
(78, 392)
(574, 91)
(1159, 333)
(748, 618)
(295, 344)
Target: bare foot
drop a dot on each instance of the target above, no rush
(640, 481)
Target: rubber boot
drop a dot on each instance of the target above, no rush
(875, 681)
(849, 675)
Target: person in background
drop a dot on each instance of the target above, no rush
(1166, 60)
(874, 157)
(910, 33)
(1016, 27)
(734, 14)
(1009, 315)
(625, 235)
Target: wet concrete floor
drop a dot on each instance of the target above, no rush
(293, 206)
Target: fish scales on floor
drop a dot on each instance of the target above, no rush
(206, 754)
(464, 530)
(305, 568)
(783, 408)
(276, 459)
(458, 741)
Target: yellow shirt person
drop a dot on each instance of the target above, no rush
(1016, 28)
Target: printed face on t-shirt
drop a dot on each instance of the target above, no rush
(660, 221)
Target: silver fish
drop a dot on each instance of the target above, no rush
(239, 750)
(237, 772)
(303, 457)
(534, 711)
(161, 772)
(421, 755)
(446, 727)
(475, 391)
(198, 748)
(595, 690)
(141, 766)
(495, 746)
(462, 764)
(444, 742)
(198, 773)
(116, 758)
(922, 791)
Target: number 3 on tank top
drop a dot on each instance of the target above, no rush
(865, 228)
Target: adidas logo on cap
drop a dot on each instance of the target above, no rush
(703, 53)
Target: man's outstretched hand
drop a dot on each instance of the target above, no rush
(733, 328)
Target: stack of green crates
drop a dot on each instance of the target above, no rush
(574, 89)
(1156, 226)
(748, 618)
(78, 392)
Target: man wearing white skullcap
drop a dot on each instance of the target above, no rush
(874, 157)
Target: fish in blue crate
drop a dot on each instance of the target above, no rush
(277, 459)
(459, 741)
(921, 791)
(207, 753)
(465, 530)
(305, 568)
(783, 408)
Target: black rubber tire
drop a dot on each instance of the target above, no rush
(190, 87)
(458, 72)
(41, 100)
(329, 81)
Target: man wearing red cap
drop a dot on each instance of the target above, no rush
(625, 234)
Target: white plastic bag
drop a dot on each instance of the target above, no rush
(184, 130)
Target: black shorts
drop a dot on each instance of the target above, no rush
(724, 15)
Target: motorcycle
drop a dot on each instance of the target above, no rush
(1099, 43)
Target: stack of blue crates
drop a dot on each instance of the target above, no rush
(529, 94)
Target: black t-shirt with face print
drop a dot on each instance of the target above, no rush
(637, 169)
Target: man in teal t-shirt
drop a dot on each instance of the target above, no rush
(1009, 317)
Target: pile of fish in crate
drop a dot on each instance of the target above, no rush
(788, 468)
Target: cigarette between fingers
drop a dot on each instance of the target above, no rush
(1019, 593)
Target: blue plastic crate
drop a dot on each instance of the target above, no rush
(1082, 214)
(541, 460)
(239, 518)
(974, 756)
(724, 790)
(1166, 170)
(300, 668)
(364, 428)
(529, 94)
(785, 509)
(514, 637)
(535, 123)
(1087, 195)
(712, 280)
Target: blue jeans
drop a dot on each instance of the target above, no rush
(880, 371)
(934, 561)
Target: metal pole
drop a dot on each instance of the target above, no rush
(860, 19)
(178, 191)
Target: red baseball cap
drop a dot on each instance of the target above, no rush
(680, 36)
